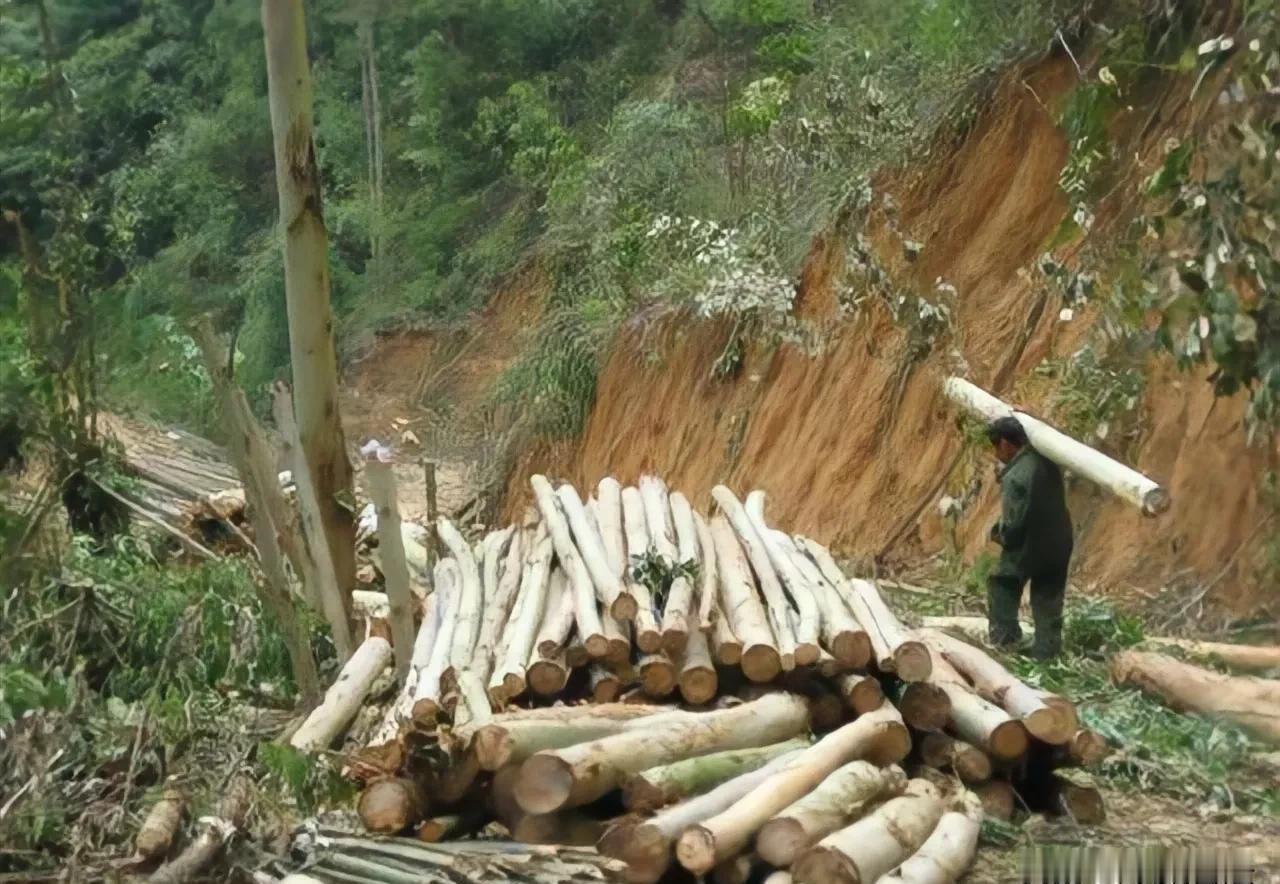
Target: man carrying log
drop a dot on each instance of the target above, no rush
(1035, 533)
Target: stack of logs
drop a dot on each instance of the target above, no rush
(708, 693)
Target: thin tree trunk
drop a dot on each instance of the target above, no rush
(585, 612)
(381, 482)
(306, 272)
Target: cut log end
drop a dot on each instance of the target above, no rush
(1089, 748)
(807, 653)
(657, 677)
(911, 661)
(547, 677)
(696, 850)
(492, 746)
(388, 807)
(698, 686)
(760, 663)
(862, 693)
(1156, 502)
(1049, 726)
(825, 865)
(1008, 740)
(649, 640)
(644, 848)
(624, 607)
(853, 649)
(545, 784)
(674, 640)
(891, 744)
(1083, 804)
(781, 840)
(997, 799)
(925, 706)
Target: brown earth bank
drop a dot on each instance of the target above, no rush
(856, 446)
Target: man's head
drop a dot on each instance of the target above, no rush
(1007, 437)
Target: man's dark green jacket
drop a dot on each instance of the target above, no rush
(1034, 526)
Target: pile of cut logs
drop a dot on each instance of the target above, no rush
(710, 693)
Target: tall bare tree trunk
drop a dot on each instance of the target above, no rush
(306, 281)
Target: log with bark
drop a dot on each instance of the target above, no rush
(580, 774)
(659, 786)
(1253, 703)
(970, 763)
(874, 845)
(1070, 454)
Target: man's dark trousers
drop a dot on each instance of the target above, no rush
(1035, 532)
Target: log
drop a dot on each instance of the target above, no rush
(659, 786)
(760, 658)
(575, 654)
(679, 611)
(390, 806)
(984, 724)
(724, 644)
(580, 774)
(735, 870)
(777, 608)
(1070, 454)
(512, 738)
(1253, 703)
(426, 690)
(401, 709)
(924, 706)
(646, 847)
(648, 636)
(657, 518)
(871, 847)
(893, 651)
(160, 828)
(834, 803)
(657, 675)
(557, 622)
(808, 614)
(1088, 748)
(215, 831)
(969, 763)
(1064, 707)
(607, 582)
(862, 693)
(472, 708)
(449, 826)
(380, 483)
(697, 681)
(606, 686)
(501, 580)
(1081, 801)
(708, 584)
(879, 737)
(570, 828)
(609, 523)
(948, 852)
(998, 799)
(585, 613)
(971, 629)
(995, 683)
(547, 676)
(466, 628)
(345, 696)
(508, 679)
(1253, 657)
(842, 635)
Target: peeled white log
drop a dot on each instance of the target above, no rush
(1071, 454)
(708, 586)
(657, 518)
(607, 582)
(648, 636)
(834, 803)
(400, 712)
(697, 680)
(679, 611)
(513, 737)
(580, 774)
(608, 513)
(508, 679)
(842, 634)
(501, 585)
(657, 675)
(808, 613)
(777, 608)
(370, 604)
(984, 724)
(948, 852)
(879, 737)
(996, 684)
(1253, 703)
(345, 696)
(470, 597)
(724, 644)
(646, 847)
(557, 619)
(380, 482)
(871, 847)
(585, 612)
(426, 692)
(760, 658)
(472, 708)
